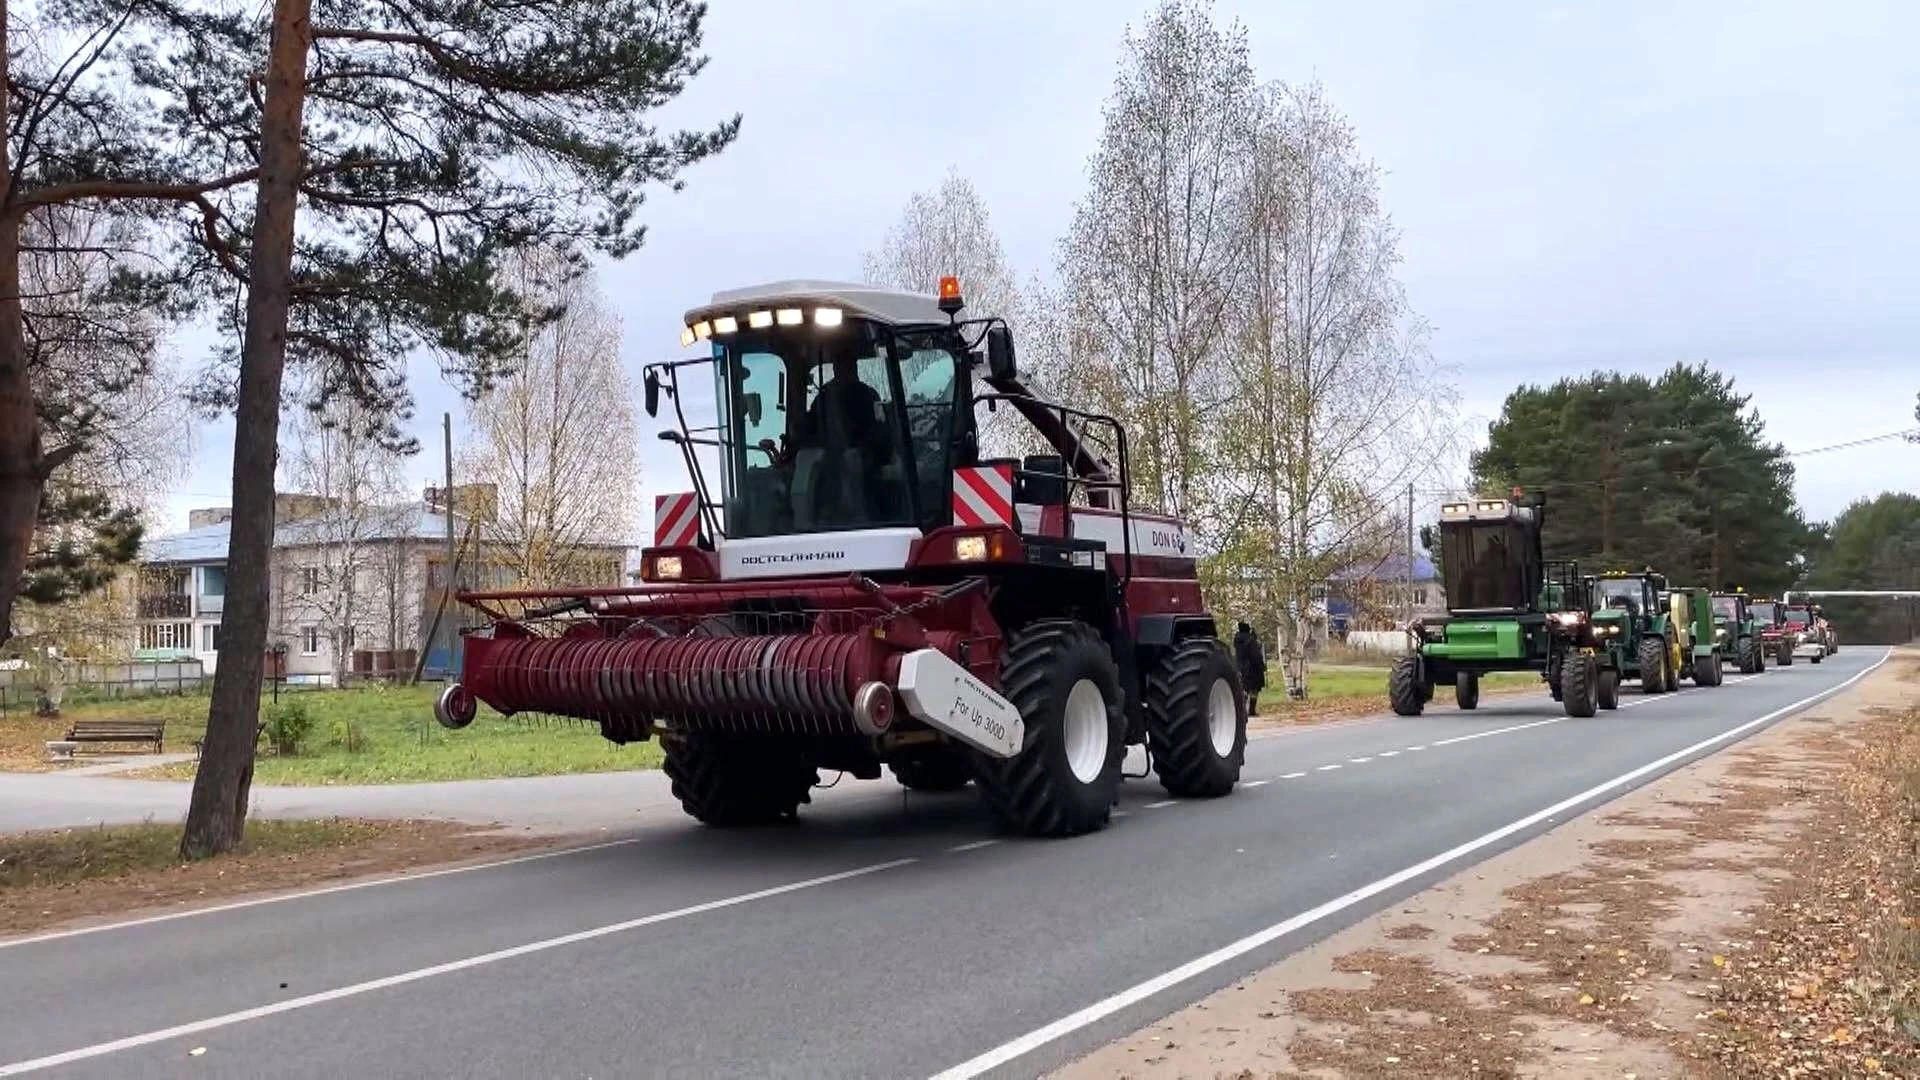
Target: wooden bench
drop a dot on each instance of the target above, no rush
(119, 731)
(200, 744)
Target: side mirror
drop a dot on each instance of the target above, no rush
(652, 383)
(1426, 537)
(1000, 365)
(750, 408)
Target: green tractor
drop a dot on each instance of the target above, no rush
(1736, 632)
(1653, 632)
(1507, 610)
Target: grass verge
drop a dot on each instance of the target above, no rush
(1344, 691)
(366, 735)
(53, 877)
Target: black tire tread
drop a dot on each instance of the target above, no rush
(1579, 682)
(1466, 690)
(1179, 738)
(1653, 665)
(1607, 694)
(731, 783)
(1404, 686)
(1021, 791)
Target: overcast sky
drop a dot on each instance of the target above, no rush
(1578, 185)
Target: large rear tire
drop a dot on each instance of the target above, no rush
(1580, 686)
(1653, 666)
(1062, 678)
(1466, 690)
(1752, 660)
(1404, 686)
(1196, 725)
(1607, 695)
(733, 781)
(936, 769)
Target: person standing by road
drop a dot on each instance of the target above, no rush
(1252, 661)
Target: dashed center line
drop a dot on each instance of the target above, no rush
(1498, 731)
(1293, 776)
(1325, 768)
(1255, 783)
(1411, 748)
(1389, 753)
(1359, 760)
(1158, 805)
(975, 846)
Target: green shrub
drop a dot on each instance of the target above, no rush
(349, 735)
(288, 725)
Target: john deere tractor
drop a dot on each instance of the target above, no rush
(1736, 632)
(1652, 631)
(1507, 610)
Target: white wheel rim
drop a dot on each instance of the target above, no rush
(1084, 730)
(1223, 717)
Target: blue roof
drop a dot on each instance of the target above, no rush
(208, 544)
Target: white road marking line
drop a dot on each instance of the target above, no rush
(1292, 776)
(303, 894)
(975, 846)
(1326, 768)
(1254, 783)
(1359, 760)
(321, 998)
(1139, 992)
(1497, 731)
(1119, 813)
(1158, 805)
(1412, 748)
(1389, 753)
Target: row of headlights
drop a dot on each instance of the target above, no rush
(760, 320)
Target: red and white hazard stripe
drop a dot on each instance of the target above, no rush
(983, 495)
(676, 520)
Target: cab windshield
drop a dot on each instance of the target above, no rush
(1624, 593)
(1764, 612)
(1798, 617)
(851, 428)
(1726, 607)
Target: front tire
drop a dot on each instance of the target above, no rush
(1405, 689)
(1752, 659)
(1580, 685)
(1706, 670)
(733, 782)
(1786, 656)
(1466, 690)
(1608, 694)
(1196, 725)
(1817, 657)
(1653, 666)
(1061, 676)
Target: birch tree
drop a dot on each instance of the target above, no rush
(333, 574)
(1156, 250)
(558, 439)
(1336, 404)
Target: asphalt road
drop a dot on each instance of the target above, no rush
(885, 937)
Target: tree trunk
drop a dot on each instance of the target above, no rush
(20, 477)
(217, 816)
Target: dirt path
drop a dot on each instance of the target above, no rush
(1735, 918)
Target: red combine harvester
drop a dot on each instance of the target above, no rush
(865, 589)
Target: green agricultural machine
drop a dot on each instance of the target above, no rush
(1508, 609)
(1653, 632)
(1736, 633)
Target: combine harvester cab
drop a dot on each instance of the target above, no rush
(1737, 633)
(1770, 622)
(1508, 610)
(863, 589)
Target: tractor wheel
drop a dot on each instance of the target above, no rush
(1407, 689)
(1196, 728)
(1654, 677)
(932, 770)
(729, 782)
(1607, 696)
(1817, 657)
(1062, 678)
(1466, 690)
(1553, 683)
(1580, 686)
(1786, 656)
(1705, 670)
(1752, 660)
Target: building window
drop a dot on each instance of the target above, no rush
(168, 635)
(309, 580)
(309, 641)
(210, 637)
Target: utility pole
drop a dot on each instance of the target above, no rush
(1408, 614)
(446, 493)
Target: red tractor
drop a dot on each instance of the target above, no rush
(866, 589)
